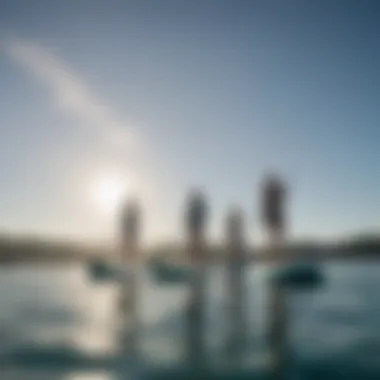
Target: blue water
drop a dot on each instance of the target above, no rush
(58, 311)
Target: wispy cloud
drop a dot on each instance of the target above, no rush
(70, 92)
(122, 146)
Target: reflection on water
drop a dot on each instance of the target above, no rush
(91, 376)
(43, 375)
(55, 315)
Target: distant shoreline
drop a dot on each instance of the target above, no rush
(67, 259)
(13, 250)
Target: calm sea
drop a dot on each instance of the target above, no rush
(53, 318)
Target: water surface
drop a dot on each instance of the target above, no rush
(57, 309)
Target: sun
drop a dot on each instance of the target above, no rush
(107, 193)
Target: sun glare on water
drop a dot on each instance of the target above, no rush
(108, 192)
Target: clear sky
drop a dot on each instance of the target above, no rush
(172, 94)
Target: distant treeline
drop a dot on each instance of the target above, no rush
(367, 245)
(363, 247)
(17, 249)
(21, 249)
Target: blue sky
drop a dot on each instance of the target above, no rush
(173, 94)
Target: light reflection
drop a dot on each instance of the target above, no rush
(91, 376)
(93, 342)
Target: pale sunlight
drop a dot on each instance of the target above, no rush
(107, 192)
